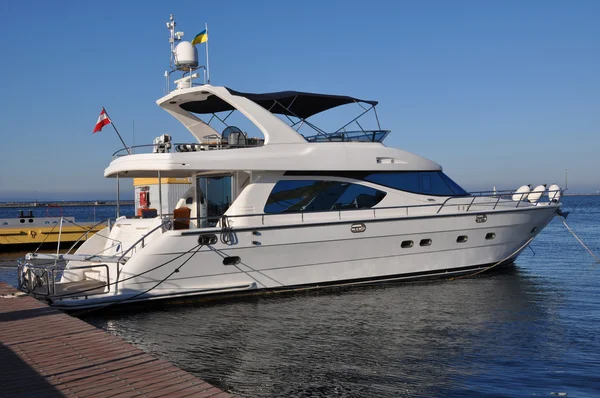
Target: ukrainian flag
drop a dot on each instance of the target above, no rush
(201, 37)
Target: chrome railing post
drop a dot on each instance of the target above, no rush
(53, 281)
(19, 271)
(471, 204)
(59, 236)
(47, 282)
(520, 199)
(496, 204)
(443, 204)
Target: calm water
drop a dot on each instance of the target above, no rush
(531, 330)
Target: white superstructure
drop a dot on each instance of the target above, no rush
(285, 210)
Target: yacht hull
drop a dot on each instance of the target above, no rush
(275, 258)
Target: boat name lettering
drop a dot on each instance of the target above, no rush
(480, 218)
(355, 228)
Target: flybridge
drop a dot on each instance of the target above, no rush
(297, 107)
(294, 108)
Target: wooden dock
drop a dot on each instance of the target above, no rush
(47, 353)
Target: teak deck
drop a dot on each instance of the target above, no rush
(45, 352)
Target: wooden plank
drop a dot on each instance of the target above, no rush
(45, 352)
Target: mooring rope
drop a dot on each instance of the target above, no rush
(526, 243)
(564, 221)
(176, 270)
(77, 293)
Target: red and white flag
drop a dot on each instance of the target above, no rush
(103, 120)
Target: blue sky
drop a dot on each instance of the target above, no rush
(499, 93)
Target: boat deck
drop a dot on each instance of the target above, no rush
(45, 352)
(89, 287)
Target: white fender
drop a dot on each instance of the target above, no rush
(554, 193)
(537, 193)
(522, 193)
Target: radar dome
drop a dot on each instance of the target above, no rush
(186, 56)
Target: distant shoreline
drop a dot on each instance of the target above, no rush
(71, 203)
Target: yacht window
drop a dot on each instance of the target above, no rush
(311, 196)
(454, 186)
(433, 183)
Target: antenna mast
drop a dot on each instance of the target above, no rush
(171, 26)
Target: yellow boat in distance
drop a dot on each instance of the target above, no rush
(28, 229)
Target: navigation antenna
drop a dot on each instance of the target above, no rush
(183, 57)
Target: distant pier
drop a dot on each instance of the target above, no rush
(65, 203)
(47, 353)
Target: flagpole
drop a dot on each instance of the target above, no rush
(207, 66)
(116, 131)
(118, 197)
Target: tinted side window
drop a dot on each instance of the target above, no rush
(422, 182)
(310, 196)
(434, 184)
(455, 187)
(403, 181)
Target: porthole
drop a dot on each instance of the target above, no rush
(462, 239)
(533, 230)
(31, 220)
(22, 221)
(407, 244)
(490, 235)
(425, 242)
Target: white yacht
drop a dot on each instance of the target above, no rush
(283, 211)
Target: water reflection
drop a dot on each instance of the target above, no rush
(411, 339)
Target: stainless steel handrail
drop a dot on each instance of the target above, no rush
(172, 147)
(86, 232)
(472, 201)
(108, 283)
(49, 274)
(347, 136)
